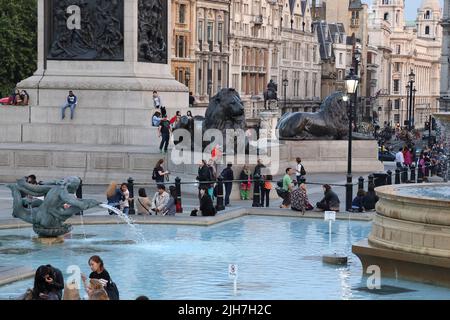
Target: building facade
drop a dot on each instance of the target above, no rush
(184, 43)
(273, 40)
(445, 59)
(404, 47)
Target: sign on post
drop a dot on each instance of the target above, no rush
(232, 271)
(330, 216)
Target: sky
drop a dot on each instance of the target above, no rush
(411, 7)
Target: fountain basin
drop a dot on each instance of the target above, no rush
(410, 236)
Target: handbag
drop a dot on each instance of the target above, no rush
(144, 207)
(112, 291)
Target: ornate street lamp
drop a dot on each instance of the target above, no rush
(351, 83)
(412, 79)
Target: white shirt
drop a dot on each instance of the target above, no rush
(299, 169)
(399, 157)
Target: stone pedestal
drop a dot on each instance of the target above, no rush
(268, 124)
(48, 241)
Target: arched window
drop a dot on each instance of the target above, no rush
(427, 30)
(427, 15)
(386, 16)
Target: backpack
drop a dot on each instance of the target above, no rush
(303, 171)
(155, 174)
(112, 291)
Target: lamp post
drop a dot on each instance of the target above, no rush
(285, 84)
(410, 87)
(414, 108)
(356, 61)
(389, 111)
(351, 83)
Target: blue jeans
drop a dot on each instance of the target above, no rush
(126, 210)
(64, 107)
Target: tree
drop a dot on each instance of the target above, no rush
(18, 42)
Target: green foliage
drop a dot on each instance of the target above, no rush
(18, 42)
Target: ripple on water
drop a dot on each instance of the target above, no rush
(113, 242)
(17, 251)
(13, 237)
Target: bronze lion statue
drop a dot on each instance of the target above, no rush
(330, 123)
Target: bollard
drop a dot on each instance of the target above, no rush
(79, 194)
(256, 190)
(360, 183)
(179, 208)
(419, 174)
(389, 177)
(131, 190)
(371, 179)
(413, 173)
(397, 176)
(220, 206)
(405, 174)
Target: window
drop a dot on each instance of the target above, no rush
(314, 84)
(245, 8)
(235, 81)
(385, 1)
(427, 15)
(397, 66)
(314, 56)
(386, 16)
(181, 46)
(236, 56)
(341, 56)
(182, 14)
(274, 58)
(200, 33)
(397, 104)
(285, 50)
(399, 49)
(209, 32)
(220, 32)
(306, 84)
(396, 118)
(427, 30)
(396, 86)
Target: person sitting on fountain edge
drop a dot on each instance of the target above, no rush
(48, 283)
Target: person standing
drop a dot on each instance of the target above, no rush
(399, 159)
(407, 156)
(256, 173)
(228, 177)
(71, 103)
(288, 186)
(191, 100)
(245, 182)
(176, 118)
(267, 186)
(300, 171)
(164, 131)
(159, 173)
(156, 100)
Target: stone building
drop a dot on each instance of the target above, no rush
(336, 55)
(273, 39)
(184, 42)
(211, 48)
(404, 46)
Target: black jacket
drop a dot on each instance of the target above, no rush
(369, 201)
(227, 174)
(331, 198)
(207, 206)
(258, 169)
(244, 176)
(204, 174)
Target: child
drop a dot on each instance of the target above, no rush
(124, 203)
(266, 187)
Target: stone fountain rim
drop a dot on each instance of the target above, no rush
(389, 192)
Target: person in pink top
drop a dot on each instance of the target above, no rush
(407, 156)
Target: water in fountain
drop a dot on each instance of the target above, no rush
(138, 232)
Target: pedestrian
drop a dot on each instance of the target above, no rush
(399, 159)
(189, 115)
(206, 203)
(102, 275)
(191, 100)
(330, 201)
(71, 103)
(143, 203)
(48, 283)
(267, 186)
(371, 198)
(113, 196)
(213, 175)
(300, 171)
(257, 173)
(125, 201)
(358, 201)
(407, 156)
(160, 200)
(175, 119)
(204, 175)
(245, 182)
(159, 174)
(288, 186)
(156, 100)
(164, 131)
(299, 199)
(228, 177)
